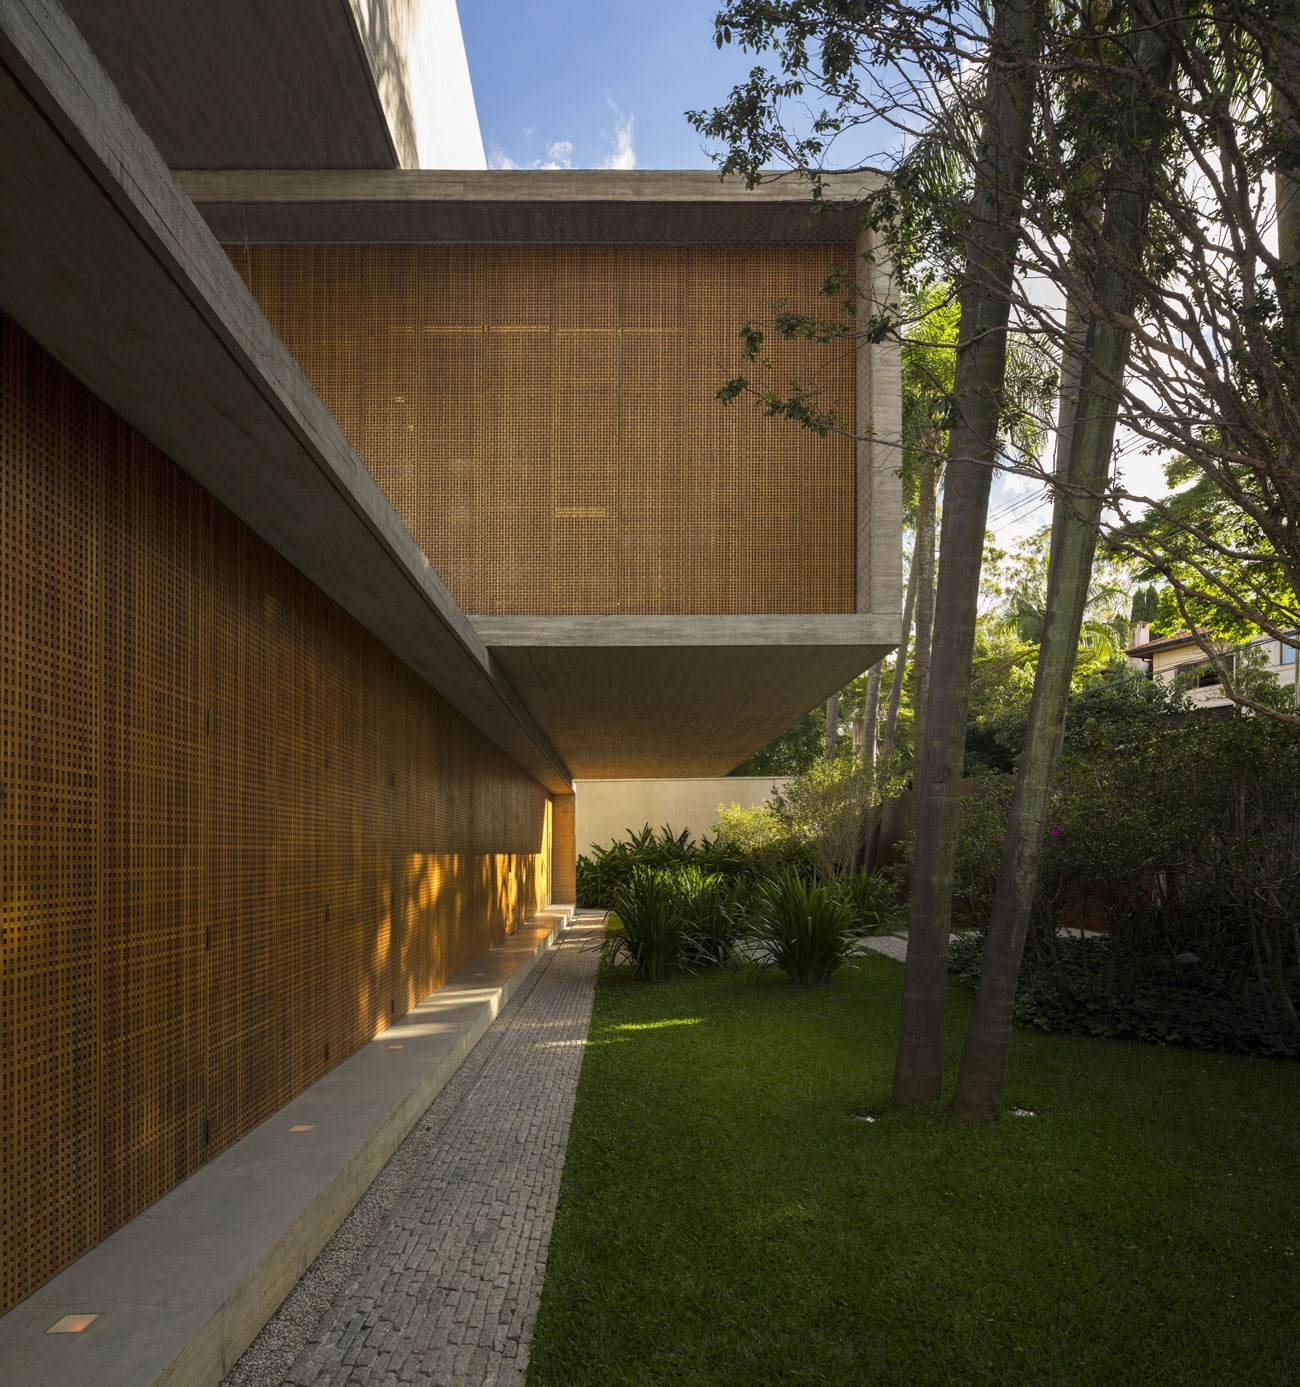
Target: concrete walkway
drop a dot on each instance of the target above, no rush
(434, 1278)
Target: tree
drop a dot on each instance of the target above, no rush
(1130, 148)
(997, 61)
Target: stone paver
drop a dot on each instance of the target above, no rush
(892, 946)
(435, 1278)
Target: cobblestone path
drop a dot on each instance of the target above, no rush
(434, 1279)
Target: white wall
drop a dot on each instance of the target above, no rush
(417, 54)
(608, 808)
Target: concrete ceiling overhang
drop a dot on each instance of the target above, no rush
(677, 696)
(105, 261)
(246, 83)
(691, 207)
(618, 695)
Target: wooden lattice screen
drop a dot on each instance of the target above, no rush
(544, 418)
(237, 838)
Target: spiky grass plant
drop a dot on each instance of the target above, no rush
(710, 929)
(652, 924)
(803, 928)
(871, 898)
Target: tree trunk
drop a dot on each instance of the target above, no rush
(900, 664)
(923, 560)
(871, 714)
(832, 724)
(1076, 513)
(991, 246)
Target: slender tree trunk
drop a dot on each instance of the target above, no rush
(871, 840)
(871, 714)
(832, 724)
(869, 720)
(900, 664)
(991, 246)
(1075, 517)
(923, 559)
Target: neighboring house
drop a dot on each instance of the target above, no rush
(350, 510)
(1180, 658)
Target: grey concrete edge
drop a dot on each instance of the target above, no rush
(624, 631)
(185, 1287)
(47, 58)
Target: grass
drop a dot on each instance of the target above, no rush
(724, 1219)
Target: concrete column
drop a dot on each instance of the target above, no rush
(879, 426)
(564, 850)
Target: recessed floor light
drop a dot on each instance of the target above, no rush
(396, 1047)
(72, 1324)
(1023, 1112)
(302, 1127)
(866, 1116)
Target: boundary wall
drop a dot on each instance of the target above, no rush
(609, 808)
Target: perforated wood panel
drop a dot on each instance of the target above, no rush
(544, 418)
(236, 837)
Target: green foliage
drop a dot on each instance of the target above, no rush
(711, 919)
(608, 870)
(1217, 561)
(1109, 710)
(797, 748)
(651, 924)
(870, 896)
(1181, 833)
(1084, 989)
(819, 819)
(805, 929)
(1146, 604)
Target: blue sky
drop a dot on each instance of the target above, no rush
(595, 85)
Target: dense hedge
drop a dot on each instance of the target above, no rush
(1085, 990)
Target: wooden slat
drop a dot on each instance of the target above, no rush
(233, 832)
(544, 418)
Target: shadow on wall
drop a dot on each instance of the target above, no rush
(385, 27)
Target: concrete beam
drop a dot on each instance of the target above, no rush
(104, 260)
(604, 207)
(677, 696)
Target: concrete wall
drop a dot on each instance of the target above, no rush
(609, 808)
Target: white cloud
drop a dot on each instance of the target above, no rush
(527, 132)
(622, 155)
(561, 150)
(499, 159)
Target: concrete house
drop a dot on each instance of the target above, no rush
(355, 500)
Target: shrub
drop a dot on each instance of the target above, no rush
(710, 927)
(870, 896)
(803, 928)
(653, 930)
(608, 870)
(818, 823)
(1086, 990)
(1182, 835)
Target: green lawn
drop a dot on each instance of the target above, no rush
(725, 1219)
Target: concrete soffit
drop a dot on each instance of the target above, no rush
(517, 206)
(106, 262)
